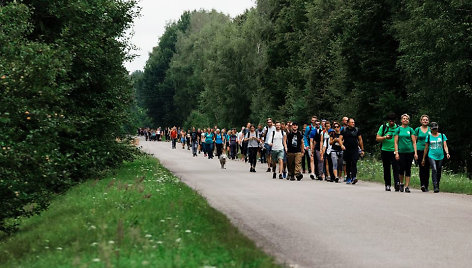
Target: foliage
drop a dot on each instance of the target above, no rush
(65, 96)
(107, 223)
(292, 59)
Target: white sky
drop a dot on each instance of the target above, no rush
(155, 14)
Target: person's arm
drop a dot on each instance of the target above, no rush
(321, 145)
(285, 142)
(312, 146)
(361, 144)
(303, 148)
(413, 139)
(426, 147)
(341, 142)
(397, 156)
(446, 150)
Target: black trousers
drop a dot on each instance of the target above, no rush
(351, 163)
(424, 170)
(219, 149)
(252, 156)
(328, 159)
(234, 150)
(388, 161)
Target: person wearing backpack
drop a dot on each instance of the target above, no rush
(278, 150)
(267, 135)
(405, 150)
(295, 148)
(385, 137)
(435, 148)
(421, 133)
(316, 143)
(352, 141)
(308, 152)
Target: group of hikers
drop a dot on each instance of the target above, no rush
(323, 148)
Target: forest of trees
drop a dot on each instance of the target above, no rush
(65, 98)
(290, 59)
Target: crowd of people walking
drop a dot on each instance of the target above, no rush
(325, 150)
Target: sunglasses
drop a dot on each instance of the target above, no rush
(336, 126)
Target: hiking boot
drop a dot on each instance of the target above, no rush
(387, 188)
(274, 175)
(292, 178)
(402, 186)
(407, 189)
(436, 190)
(268, 170)
(423, 188)
(312, 176)
(354, 181)
(280, 176)
(397, 187)
(336, 180)
(299, 177)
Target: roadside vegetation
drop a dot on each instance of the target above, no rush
(139, 215)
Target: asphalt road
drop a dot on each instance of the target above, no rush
(320, 224)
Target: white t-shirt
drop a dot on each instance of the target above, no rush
(278, 144)
(268, 132)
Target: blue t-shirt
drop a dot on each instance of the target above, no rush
(209, 138)
(436, 146)
(219, 139)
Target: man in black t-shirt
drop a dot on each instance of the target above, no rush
(295, 149)
(352, 143)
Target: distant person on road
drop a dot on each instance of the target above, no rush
(385, 136)
(267, 134)
(253, 141)
(316, 141)
(233, 144)
(353, 147)
(421, 133)
(336, 151)
(194, 141)
(278, 148)
(435, 147)
(173, 136)
(219, 142)
(405, 151)
(293, 141)
(209, 141)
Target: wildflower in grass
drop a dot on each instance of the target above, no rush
(178, 240)
(188, 231)
(148, 236)
(46, 247)
(162, 220)
(159, 242)
(96, 260)
(94, 244)
(111, 242)
(59, 248)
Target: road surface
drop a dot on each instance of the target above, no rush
(320, 224)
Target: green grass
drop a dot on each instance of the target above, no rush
(372, 170)
(139, 216)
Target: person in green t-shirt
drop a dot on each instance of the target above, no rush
(435, 147)
(421, 133)
(385, 137)
(405, 150)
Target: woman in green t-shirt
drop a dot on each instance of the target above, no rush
(435, 147)
(421, 133)
(405, 150)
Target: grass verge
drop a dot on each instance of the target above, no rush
(372, 170)
(139, 216)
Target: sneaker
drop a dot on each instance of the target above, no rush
(436, 190)
(423, 188)
(268, 170)
(280, 176)
(250, 169)
(336, 180)
(299, 177)
(402, 187)
(274, 176)
(348, 181)
(284, 174)
(354, 181)
(426, 190)
(312, 176)
(292, 178)
(407, 189)
(345, 179)
(319, 178)
(387, 188)
(397, 187)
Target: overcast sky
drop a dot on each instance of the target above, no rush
(155, 14)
